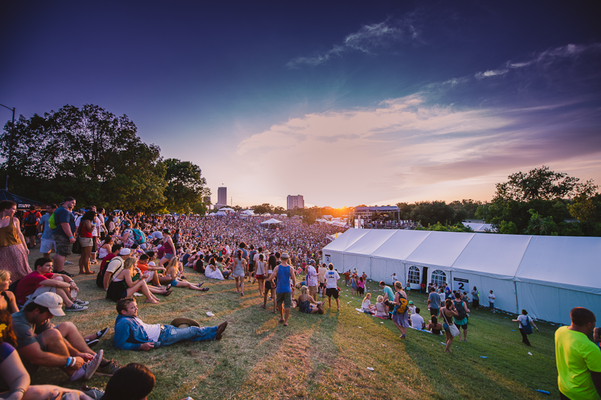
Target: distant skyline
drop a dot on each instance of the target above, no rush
(346, 102)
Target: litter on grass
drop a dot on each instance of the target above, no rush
(529, 353)
(483, 357)
(210, 314)
(370, 369)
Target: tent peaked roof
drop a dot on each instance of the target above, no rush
(271, 222)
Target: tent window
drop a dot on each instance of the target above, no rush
(439, 277)
(413, 276)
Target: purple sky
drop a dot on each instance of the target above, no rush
(344, 102)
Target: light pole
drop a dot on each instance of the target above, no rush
(10, 143)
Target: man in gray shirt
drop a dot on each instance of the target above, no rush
(434, 302)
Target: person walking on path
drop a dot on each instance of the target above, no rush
(525, 328)
(285, 276)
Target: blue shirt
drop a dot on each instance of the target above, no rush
(62, 215)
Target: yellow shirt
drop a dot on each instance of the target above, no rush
(575, 356)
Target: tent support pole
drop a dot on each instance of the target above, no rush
(517, 306)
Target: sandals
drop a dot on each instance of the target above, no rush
(205, 289)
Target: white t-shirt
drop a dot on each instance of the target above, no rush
(153, 331)
(311, 276)
(417, 321)
(491, 298)
(332, 279)
(114, 264)
(523, 319)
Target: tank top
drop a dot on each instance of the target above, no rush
(8, 235)
(283, 285)
(168, 248)
(84, 232)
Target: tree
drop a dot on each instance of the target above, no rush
(264, 208)
(429, 213)
(185, 185)
(541, 184)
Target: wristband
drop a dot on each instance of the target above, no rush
(69, 361)
(71, 237)
(19, 390)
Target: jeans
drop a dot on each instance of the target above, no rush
(171, 335)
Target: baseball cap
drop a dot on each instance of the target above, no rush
(52, 301)
(125, 252)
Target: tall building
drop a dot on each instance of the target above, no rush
(293, 202)
(221, 197)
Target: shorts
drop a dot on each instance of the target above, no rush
(268, 285)
(169, 256)
(251, 267)
(361, 290)
(332, 292)
(434, 311)
(63, 246)
(260, 276)
(284, 298)
(31, 230)
(46, 245)
(86, 242)
(313, 289)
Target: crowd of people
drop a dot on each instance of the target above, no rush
(147, 256)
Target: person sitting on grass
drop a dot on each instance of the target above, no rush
(131, 333)
(42, 280)
(40, 343)
(150, 275)
(307, 304)
(119, 386)
(173, 273)
(434, 326)
(381, 308)
(366, 306)
(417, 321)
(124, 283)
(14, 374)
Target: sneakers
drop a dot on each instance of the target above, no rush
(91, 366)
(99, 335)
(81, 302)
(92, 392)
(76, 307)
(109, 368)
(63, 272)
(67, 262)
(91, 342)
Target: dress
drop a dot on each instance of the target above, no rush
(305, 306)
(13, 257)
(209, 273)
(117, 290)
(401, 319)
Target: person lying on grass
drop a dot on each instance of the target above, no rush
(173, 273)
(131, 333)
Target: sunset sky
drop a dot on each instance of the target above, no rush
(344, 102)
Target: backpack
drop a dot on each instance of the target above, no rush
(139, 236)
(52, 221)
(31, 219)
(401, 308)
(461, 314)
(251, 260)
(527, 328)
(102, 272)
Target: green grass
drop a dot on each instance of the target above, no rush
(320, 357)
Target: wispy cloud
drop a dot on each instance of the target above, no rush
(490, 73)
(369, 39)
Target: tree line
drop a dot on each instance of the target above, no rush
(98, 158)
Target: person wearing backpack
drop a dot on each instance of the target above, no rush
(525, 328)
(30, 223)
(461, 317)
(400, 315)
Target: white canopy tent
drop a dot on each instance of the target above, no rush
(546, 275)
(271, 221)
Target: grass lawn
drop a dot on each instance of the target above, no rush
(318, 356)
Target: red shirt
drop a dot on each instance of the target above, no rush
(28, 284)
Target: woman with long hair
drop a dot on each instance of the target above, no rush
(7, 298)
(446, 315)
(173, 273)
(240, 268)
(270, 286)
(401, 320)
(125, 283)
(84, 231)
(13, 249)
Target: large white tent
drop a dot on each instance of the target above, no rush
(546, 275)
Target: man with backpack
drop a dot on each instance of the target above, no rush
(115, 250)
(115, 266)
(62, 223)
(30, 223)
(461, 317)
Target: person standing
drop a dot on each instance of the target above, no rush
(63, 234)
(434, 301)
(388, 295)
(491, 301)
(332, 278)
(312, 279)
(446, 314)
(285, 275)
(461, 317)
(400, 319)
(577, 358)
(13, 249)
(475, 298)
(31, 219)
(525, 328)
(46, 241)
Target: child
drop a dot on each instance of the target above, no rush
(361, 286)
(381, 308)
(366, 306)
(411, 307)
